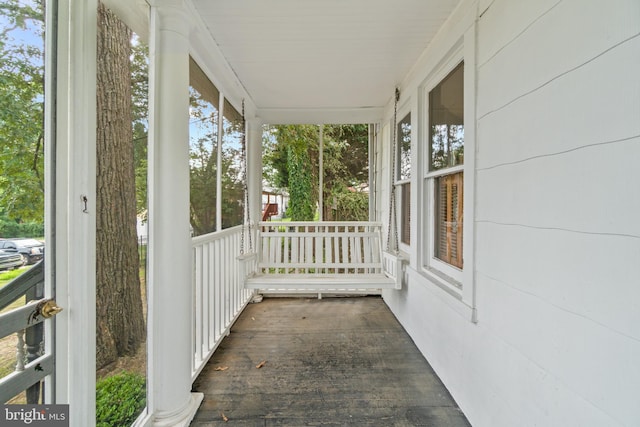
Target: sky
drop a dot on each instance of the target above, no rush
(28, 36)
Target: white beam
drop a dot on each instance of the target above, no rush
(219, 139)
(170, 269)
(321, 171)
(293, 116)
(254, 168)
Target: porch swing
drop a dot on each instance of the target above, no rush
(316, 257)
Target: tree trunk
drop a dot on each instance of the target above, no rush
(120, 321)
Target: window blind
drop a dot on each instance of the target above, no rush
(449, 218)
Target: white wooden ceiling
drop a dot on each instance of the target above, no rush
(307, 59)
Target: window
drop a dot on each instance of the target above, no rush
(446, 169)
(216, 190)
(231, 172)
(404, 177)
(203, 142)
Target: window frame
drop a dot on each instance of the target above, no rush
(225, 114)
(401, 183)
(445, 274)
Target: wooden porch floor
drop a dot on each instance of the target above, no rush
(335, 361)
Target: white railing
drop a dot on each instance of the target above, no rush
(218, 291)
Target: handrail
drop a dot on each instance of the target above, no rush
(216, 235)
(22, 284)
(320, 223)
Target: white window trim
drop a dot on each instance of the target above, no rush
(402, 247)
(458, 282)
(398, 183)
(448, 272)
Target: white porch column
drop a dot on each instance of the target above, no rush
(170, 300)
(254, 168)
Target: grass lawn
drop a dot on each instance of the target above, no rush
(280, 220)
(6, 277)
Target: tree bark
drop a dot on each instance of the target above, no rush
(120, 320)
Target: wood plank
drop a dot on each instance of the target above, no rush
(342, 361)
(295, 248)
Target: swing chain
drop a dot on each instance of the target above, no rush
(247, 215)
(392, 204)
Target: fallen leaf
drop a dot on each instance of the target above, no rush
(261, 364)
(224, 417)
(221, 368)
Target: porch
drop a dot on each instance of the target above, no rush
(342, 361)
(543, 285)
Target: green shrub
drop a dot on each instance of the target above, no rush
(350, 206)
(120, 399)
(12, 228)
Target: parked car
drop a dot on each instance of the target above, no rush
(32, 250)
(10, 260)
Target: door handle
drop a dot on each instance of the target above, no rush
(49, 308)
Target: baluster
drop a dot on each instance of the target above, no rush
(20, 351)
(34, 336)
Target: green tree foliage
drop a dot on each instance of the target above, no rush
(346, 172)
(232, 186)
(204, 168)
(12, 228)
(140, 113)
(291, 160)
(350, 205)
(22, 110)
(301, 205)
(299, 173)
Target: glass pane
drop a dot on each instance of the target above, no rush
(405, 209)
(291, 173)
(446, 121)
(203, 144)
(22, 174)
(121, 147)
(449, 219)
(232, 163)
(345, 172)
(404, 148)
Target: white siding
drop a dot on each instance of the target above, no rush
(557, 235)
